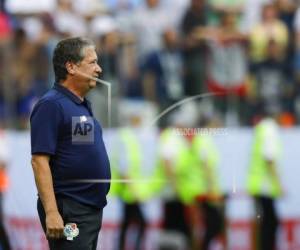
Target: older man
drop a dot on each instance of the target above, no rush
(69, 159)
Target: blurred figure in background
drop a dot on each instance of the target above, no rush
(221, 6)
(269, 42)
(271, 81)
(296, 64)
(287, 11)
(4, 242)
(162, 72)
(228, 68)
(209, 198)
(5, 89)
(66, 18)
(252, 13)
(180, 186)
(263, 181)
(148, 23)
(194, 48)
(270, 28)
(23, 71)
(108, 38)
(133, 191)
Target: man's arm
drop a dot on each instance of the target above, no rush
(44, 184)
(169, 170)
(274, 173)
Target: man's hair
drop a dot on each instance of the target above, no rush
(68, 50)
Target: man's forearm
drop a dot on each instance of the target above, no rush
(44, 184)
(273, 172)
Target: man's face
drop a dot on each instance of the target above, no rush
(88, 69)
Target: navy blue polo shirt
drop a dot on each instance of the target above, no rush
(64, 127)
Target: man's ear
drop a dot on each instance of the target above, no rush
(70, 68)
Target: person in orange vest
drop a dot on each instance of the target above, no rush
(3, 187)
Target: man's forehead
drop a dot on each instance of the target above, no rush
(89, 52)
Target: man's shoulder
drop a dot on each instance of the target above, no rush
(50, 99)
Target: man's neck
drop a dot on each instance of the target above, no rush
(70, 86)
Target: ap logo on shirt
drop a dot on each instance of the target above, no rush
(82, 129)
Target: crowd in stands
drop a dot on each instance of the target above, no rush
(245, 53)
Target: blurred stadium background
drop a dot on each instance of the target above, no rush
(156, 53)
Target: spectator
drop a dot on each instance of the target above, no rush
(22, 78)
(178, 8)
(5, 26)
(193, 32)
(271, 28)
(148, 23)
(5, 39)
(65, 19)
(252, 13)
(287, 12)
(107, 37)
(228, 65)
(221, 6)
(45, 44)
(25, 96)
(271, 80)
(162, 72)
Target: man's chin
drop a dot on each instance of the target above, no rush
(93, 84)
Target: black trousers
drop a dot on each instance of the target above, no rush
(267, 224)
(87, 218)
(132, 214)
(213, 221)
(175, 219)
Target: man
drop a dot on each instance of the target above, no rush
(193, 28)
(69, 159)
(209, 198)
(264, 182)
(132, 194)
(175, 166)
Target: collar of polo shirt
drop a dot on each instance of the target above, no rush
(68, 93)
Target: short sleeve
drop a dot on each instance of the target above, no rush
(270, 146)
(45, 121)
(168, 151)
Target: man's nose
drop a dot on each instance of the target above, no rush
(98, 69)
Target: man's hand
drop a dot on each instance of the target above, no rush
(43, 180)
(54, 225)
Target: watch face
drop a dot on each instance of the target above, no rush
(71, 231)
